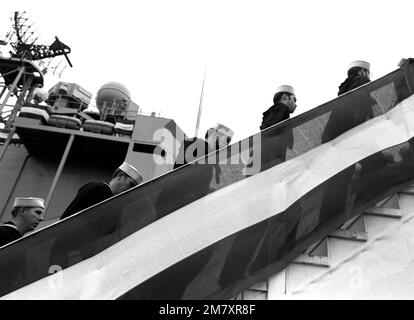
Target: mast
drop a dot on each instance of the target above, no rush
(200, 106)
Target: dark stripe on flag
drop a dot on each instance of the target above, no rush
(226, 268)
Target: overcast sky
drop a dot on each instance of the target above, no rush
(159, 50)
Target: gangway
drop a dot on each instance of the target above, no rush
(237, 217)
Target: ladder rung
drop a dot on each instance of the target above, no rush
(254, 295)
(409, 190)
(381, 203)
(262, 286)
(349, 235)
(312, 260)
(309, 250)
(350, 222)
(385, 212)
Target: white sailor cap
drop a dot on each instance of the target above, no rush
(223, 129)
(359, 64)
(29, 202)
(132, 172)
(286, 88)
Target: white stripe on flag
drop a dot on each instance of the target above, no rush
(188, 230)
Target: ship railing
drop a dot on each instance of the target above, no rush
(76, 120)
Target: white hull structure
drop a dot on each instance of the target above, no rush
(369, 257)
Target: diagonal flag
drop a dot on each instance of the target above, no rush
(279, 191)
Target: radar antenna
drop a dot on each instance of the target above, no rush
(20, 79)
(26, 48)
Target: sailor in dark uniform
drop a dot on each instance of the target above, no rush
(174, 197)
(339, 122)
(173, 283)
(124, 178)
(284, 103)
(338, 190)
(244, 260)
(358, 75)
(85, 239)
(27, 213)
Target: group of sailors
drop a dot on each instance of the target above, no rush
(28, 212)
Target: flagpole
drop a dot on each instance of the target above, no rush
(200, 106)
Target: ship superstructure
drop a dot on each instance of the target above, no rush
(51, 148)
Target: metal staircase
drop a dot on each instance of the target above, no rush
(323, 259)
